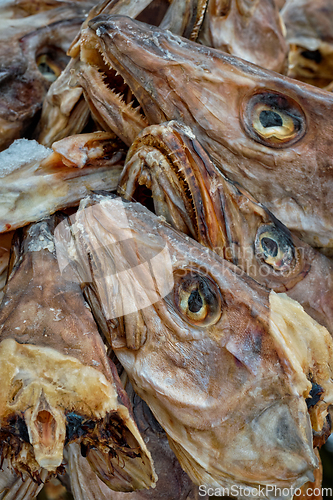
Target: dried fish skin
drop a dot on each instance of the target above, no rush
(19, 9)
(58, 386)
(35, 182)
(221, 98)
(205, 377)
(4, 259)
(255, 32)
(168, 162)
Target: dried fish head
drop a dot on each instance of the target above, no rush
(253, 31)
(65, 111)
(210, 351)
(58, 386)
(34, 54)
(167, 166)
(265, 131)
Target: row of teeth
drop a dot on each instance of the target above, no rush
(121, 98)
(119, 95)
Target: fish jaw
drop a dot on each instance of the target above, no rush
(214, 94)
(202, 382)
(64, 111)
(48, 181)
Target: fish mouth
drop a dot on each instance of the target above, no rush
(111, 45)
(168, 171)
(155, 175)
(114, 84)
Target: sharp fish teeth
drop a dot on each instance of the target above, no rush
(107, 62)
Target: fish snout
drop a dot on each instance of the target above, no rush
(47, 431)
(105, 25)
(276, 446)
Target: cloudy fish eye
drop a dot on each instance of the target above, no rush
(274, 120)
(274, 247)
(198, 298)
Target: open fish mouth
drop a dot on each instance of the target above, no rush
(97, 69)
(159, 174)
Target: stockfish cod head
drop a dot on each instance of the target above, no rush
(210, 351)
(268, 132)
(58, 387)
(167, 167)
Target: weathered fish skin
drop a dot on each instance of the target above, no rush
(284, 160)
(16, 9)
(58, 385)
(37, 181)
(34, 53)
(64, 112)
(196, 198)
(4, 259)
(235, 360)
(253, 31)
(310, 34)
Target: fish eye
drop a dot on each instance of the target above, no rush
(275, 248)
(47, 67)
(274, 120)
(198, 298)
